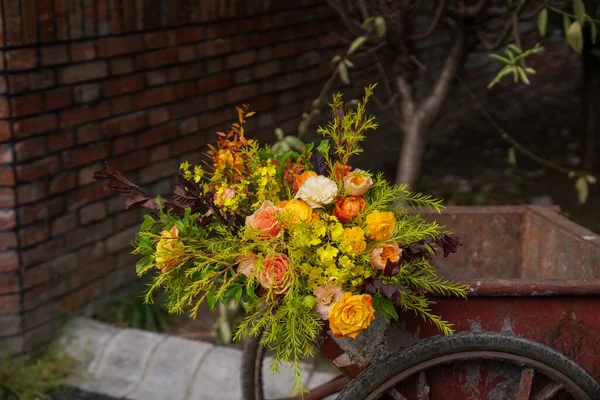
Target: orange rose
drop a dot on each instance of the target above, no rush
(382, 254)
(348, 208)
(275, 273)
(351, 315)
(265, 220)
(169, 250)
(300, 179)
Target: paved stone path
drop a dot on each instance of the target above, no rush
(140, 365)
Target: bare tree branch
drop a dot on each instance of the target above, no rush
(363, 9)
(432, 104)
(489, 46)
(351, 25)
(469, 11)
(434, 23)
(406, 97)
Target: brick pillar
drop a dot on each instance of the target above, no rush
(142, 84)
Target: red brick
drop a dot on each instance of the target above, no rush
(7, 176)
(79, 115)
(83, 51)
(184, 144)
(42, 252)
(9, 261)
(121, 66)
(88, 133)
(17, 60)
(156, 171)
(241, 93)
(215, 66)
(157, 135)
(155, 97)
(89, 234)
(241, 59)
(158, 115)
(41, 294)
(4, 108)
(159, 153)
(120, 45)
(155, 59)
(33, 234)
(6, 154)
(7, 197)
(83, 72)
(27, 193)
(123, 145)
(290, 49)
(92, 253)
(189, 34)
(86, 93)
(7, 219)
(214, 83)
(60, 140)
(62, 182)
(126, 219)
(133, 160)
(26, 105)
(156, 77)
(57, 98)
(85, 175)
(35, 125)
(53, 55)
(40, 211)
(130, 83)
(215, 47)
(85, 155)
(125, 124)
(155, 40)
(10, 304)
(4, 131)
(188, 125)
(38, 169)
(8, 240)
(185, 90)
(121, 105)
(35, 276)
(186, 53)
(267, 69)
(3, 84)
(92, 212)
(63, 224)
(36, 80)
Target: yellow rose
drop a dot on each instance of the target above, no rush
(380, 225)
(296, 210)
(351, 315)
(353, 241)
(169, 250)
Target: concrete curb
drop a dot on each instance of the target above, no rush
(138, 365)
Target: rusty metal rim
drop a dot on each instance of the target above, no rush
(522, 361)
(532, 287)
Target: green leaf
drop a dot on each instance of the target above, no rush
(250, 292)
(335, 60)
(237, 295)
(575, 37)
(211, 300)
(367, 22)
(323, 146)
(593, 31)
(510, 56)
(356, 44)
(512, 158)
(159, 202)
(591, 179)
(283, 157)
(380, 27)
(542, 22)
(343, 71)
(523, 75)
(581, 185)
(566, 24)
(515, 49)
(579, 9)
(385, 306)
(504, 71)
(147, 224)
(143, 263)
(500, 58)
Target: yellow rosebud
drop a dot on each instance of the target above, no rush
(296, 210)
(351, 315)
(380, 225)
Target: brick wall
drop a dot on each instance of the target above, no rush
(143, 85)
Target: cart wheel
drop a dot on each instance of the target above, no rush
(474, 365)
(252, 377)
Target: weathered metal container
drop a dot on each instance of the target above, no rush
(532, 273)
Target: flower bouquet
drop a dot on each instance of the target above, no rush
(301, 238)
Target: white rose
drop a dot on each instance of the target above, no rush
(357, 182)
(318, 191)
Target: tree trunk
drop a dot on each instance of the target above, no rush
(411, 156)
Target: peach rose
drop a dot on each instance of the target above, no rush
(348, 208)
(351, 315)
(301, 178)
(246, 264)
(357, 182)
(169, 250)
(382, 254)
(326, 296)
(274, 273)
(265, 220)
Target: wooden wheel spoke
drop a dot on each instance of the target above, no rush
(525, 383)
(423, 387)
(549, 391)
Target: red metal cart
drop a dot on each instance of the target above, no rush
(530, 328)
